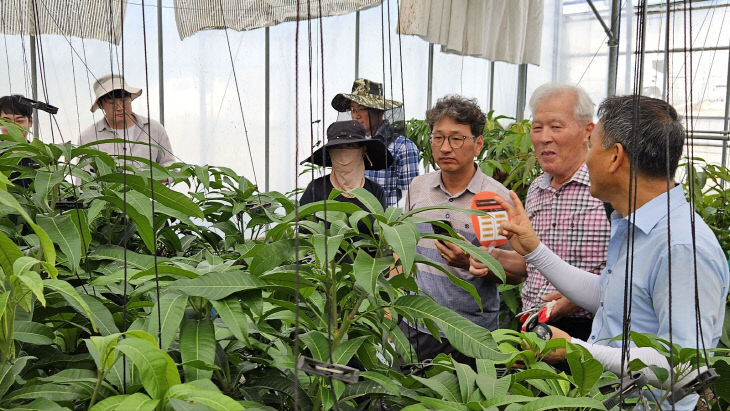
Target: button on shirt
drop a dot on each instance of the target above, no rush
(428, 190)
(570, 222)
(650, 308)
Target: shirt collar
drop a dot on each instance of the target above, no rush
(648, 215)
(102, 125)
(579, 177)
(474, 185)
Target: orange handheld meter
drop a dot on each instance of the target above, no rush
(486, 227)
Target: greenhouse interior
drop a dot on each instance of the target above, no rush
(364, 205)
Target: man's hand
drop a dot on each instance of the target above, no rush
(562, 308)
(453, 255)
(559, 354)
(518, 229)
(478, 268)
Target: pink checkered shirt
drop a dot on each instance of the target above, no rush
(570, 222)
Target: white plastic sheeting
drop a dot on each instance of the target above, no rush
(193, 16)
(498, 30)
(101, 20)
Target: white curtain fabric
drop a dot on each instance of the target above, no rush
(91, 19)
(498, 30)
(195, 15)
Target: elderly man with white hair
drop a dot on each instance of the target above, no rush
(559, 204)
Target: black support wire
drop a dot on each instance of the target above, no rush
(152, 180)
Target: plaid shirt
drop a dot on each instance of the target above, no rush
(396, 178)
(570, 222)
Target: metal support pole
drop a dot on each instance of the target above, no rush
(34, 84)
(726, 121)
(491, 86)
(429, 90)
(521, 91)
(266, 110)
(161, 67)
(557, 24)
(613, 41)
(357, 44)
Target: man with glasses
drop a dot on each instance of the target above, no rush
(367, 105)
(456, 138)
(114, 97)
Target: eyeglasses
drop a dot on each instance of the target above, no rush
(454, 141)
(358, 110)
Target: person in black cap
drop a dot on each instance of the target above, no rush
(14, 108)
(349, 153)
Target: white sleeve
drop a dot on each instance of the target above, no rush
(610, 357)
(581, 287)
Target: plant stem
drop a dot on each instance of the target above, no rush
(348, 320)
(99, 379)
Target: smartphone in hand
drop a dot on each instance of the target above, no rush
(437, 229)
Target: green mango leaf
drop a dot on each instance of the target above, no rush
(233, 317)
(78, 217)
(365, 197)
(367, 269)
(137, 401)
(197, 342)
(218, 285)
(171, 308)
(116, 253)
(390, 385)
(139, 210)
(63, 232)
(49, 251)
(403, 241)
(8, 372)
(318, 345)
(72, 297)
(467, 380)
(53, 392)
(175, 404)
(9, 252)
(585, 373)
(464, 335)
(101, 315)
(492, 387)
(444, 384)
(559, 402)
(199, 397)
(271, 256)
(31, 279)
(163, 195)
(156, 369)
(332, 245)
(344, 351)
(504, 399)
(33, 333)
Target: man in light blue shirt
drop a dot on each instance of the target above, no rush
(645, 136)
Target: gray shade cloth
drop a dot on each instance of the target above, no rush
(101, 20)
(498, 30)
(192, 16)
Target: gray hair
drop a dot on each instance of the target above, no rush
(583, 110)
(649, 129)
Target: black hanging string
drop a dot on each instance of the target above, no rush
(630, 214)
(669, 209)
(699, 337)
(297, 284)
(152, 180)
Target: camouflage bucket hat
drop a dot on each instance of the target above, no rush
(365, 93)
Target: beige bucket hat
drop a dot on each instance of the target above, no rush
(365, 93)
(110, 82)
